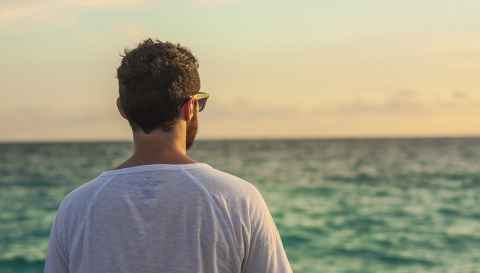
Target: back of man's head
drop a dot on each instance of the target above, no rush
(154, 78)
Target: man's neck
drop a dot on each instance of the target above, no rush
(151, 151)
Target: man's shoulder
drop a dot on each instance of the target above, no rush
(80, 195)
(224, 183)
(240, 194)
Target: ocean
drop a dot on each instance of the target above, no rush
(345, 205)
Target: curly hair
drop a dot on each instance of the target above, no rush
(154, 79)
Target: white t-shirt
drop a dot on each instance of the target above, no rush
(172, 218)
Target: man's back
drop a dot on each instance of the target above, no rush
(165, 218)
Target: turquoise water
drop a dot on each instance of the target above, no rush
(407, 205)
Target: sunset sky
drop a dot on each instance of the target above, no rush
(273, 68)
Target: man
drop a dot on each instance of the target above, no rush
(161, 211)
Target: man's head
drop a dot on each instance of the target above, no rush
(154, 80)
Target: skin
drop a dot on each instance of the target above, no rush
(161, 147)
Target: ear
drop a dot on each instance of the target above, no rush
(188, 108)
(120, 108)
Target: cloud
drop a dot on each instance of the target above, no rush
(460, 95)
(400, 102)
(49, 121)
(106, 3)
(245, 109)
(211, 3)
(11, 11)
(403, 103)
(21, 9)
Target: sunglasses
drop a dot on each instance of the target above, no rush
(201, 98)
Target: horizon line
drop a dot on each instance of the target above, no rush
(278, 138)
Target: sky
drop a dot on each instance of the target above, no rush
(274, 69)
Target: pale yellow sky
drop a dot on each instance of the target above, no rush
(309, 69)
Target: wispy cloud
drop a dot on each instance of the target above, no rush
(212, 3)
(106, 3)
(248, 109)
(22, 9)
(405, 102)
(11, 11)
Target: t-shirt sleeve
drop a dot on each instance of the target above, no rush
(55, 261)
(265, 253)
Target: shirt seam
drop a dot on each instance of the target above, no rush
(92, 202)
(59, 246)
(199, 184)
(152, 168)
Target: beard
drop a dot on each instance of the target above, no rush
(192, 127)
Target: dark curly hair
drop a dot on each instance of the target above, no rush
(154, 79)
